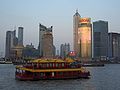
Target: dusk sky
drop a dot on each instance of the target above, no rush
(58, 13)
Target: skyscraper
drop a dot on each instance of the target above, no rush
(20, 36)
(64, 50)
(42, 30)
(85, 38)
(47, 43)
(54, 50)
(82, 29)
(114, 45)
(76, 19)
(100, 39)
(10, 42)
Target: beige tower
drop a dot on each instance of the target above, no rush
(76, 19)
(85, 38)
(47, 45)
(82, 33)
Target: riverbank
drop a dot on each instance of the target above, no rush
(84, 64)
(6, 62)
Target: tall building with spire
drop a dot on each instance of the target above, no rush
(82, 30)
(76, 19)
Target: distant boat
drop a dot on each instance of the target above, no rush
(5, 62)
(2, 62)
(92, 65)
(40, 69)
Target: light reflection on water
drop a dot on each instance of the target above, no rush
(102, 78)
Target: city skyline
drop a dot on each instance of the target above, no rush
(59, 14)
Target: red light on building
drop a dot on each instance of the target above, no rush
(72, 53)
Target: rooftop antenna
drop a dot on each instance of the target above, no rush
(76, 10)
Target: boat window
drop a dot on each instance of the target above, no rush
(29, 64)
(53, 64)
(35, 65)
(50, 64)
(20, 71)
(56, 64)
(59, 64)
(53, 74)
(47, 65)
(23, 71)
(63, 64)
(43, 65)
(28, 72)
(60, 73)
(17, 70)
(35, 74)
(40, 65)
(41, 74)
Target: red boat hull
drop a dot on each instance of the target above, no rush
(77, 76)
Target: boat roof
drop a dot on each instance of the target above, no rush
(47, 60)
(69, 60)
(51, 70)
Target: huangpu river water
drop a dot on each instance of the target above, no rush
(102, 78)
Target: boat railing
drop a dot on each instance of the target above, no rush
(52, 65)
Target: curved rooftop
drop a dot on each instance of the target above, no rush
(52, 60)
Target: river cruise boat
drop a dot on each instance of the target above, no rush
(41, 69)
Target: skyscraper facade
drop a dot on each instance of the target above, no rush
(42, 30)
(20, 36)
(82, 29)
(76, 19)
(14, 45)
(100, 39)
(114, 45)
(47, 43)
(64, 50)
(10, 42)
(85, 38)
(54, 50)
